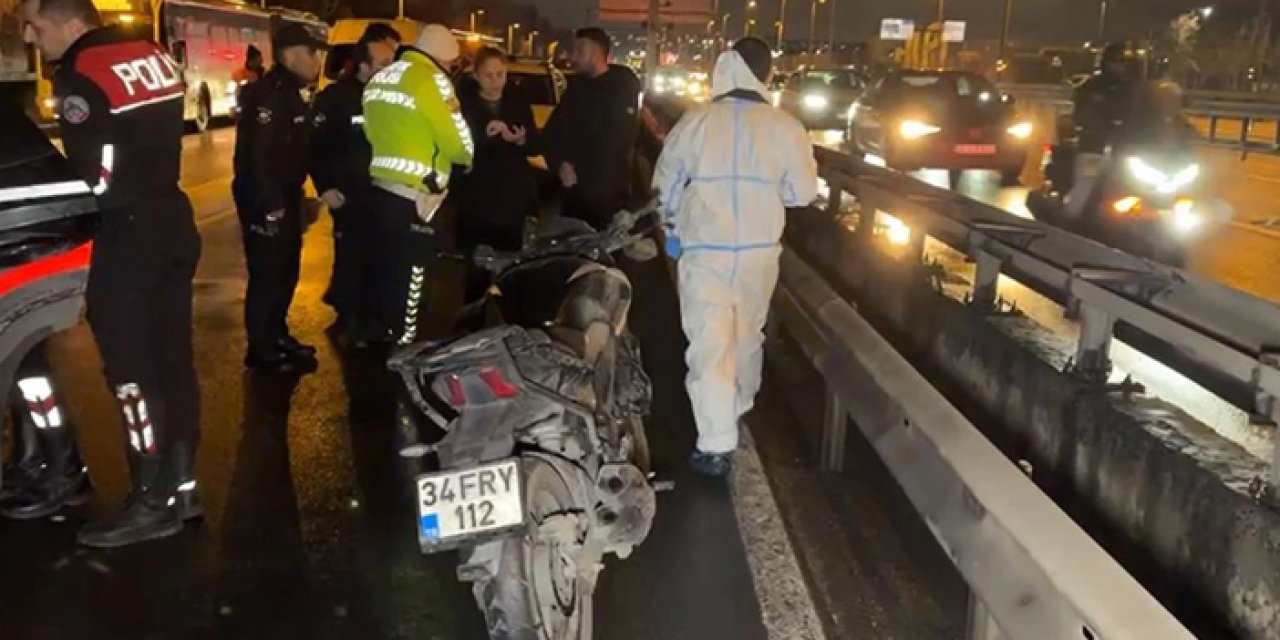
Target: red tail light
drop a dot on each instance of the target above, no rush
(457, 397)
(477, 386)
(498, 383)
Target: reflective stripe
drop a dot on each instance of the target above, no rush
(390, 96)
(400, 165)
(417, 277)
(464, 131)
(189, 485)
(730, 248)
(143, 103)
(357, 120)
(136, 418)
(69, 188)
(38, 393)
(459, 123)
(104, 176)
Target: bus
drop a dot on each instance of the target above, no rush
(209, 41)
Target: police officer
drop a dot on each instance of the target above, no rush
(340, 157)
(46, 472)
(120, 113)
(270, 168)
(415, 126)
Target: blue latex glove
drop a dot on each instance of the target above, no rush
(673, 246)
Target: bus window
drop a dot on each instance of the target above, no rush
(178, 48)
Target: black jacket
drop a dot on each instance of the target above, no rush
(339, 152)
(120, 112)
(1103, 104)
(271, 144)
(500, 190)
(594, 128)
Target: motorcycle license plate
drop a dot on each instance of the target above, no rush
(976, 149)
(459, 504)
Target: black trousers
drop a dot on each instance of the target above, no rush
(273, 261)
(139, 307)
(406, 249)
(354, 248)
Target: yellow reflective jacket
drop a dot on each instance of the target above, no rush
(414, 124)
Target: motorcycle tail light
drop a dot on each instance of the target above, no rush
(477, 386)
(498, 383)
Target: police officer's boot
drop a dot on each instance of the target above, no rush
(63, 480)
(25, 465)
(187, 496)
(149, 513)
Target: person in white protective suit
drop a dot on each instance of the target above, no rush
(727, 172)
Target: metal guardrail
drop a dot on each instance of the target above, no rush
(1213, 328)
(1213, 107)
(1032, 571)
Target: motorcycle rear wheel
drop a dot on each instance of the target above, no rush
(536, 595)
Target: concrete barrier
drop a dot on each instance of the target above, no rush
(1176, 495)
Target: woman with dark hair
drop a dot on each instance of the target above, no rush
(500, 191)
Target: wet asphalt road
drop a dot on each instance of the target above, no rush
(309, 527)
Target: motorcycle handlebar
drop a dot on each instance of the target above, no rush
(618, 236)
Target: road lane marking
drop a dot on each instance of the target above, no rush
(786, 605)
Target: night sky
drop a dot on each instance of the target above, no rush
(1038, 21)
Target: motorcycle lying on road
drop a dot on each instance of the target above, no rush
(544, 466)
(1148, 199)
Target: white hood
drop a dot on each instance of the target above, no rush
(733, 73)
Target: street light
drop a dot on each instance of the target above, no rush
(1206, 12)
(782, 19)
(831, 31)
(750, 26)
(529, 42)
(511, 37)
(474, 14)
(813, 27)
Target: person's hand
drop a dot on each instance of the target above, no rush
(333, 199)
(495, 127)
(516, 136)
(568, 175)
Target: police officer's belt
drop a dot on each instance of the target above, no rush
(404, 191)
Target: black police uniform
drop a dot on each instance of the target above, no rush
(46, 471)
(270, 169)
(121, 116)
(340, 157)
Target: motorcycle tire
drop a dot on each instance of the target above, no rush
(512, 601)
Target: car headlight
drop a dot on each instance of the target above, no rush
(1182, 178)
(815, 102)
(1021, 131)
(1185, 217)
(913, 129)
(1143, 172)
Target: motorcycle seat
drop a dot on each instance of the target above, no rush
(586, 344)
